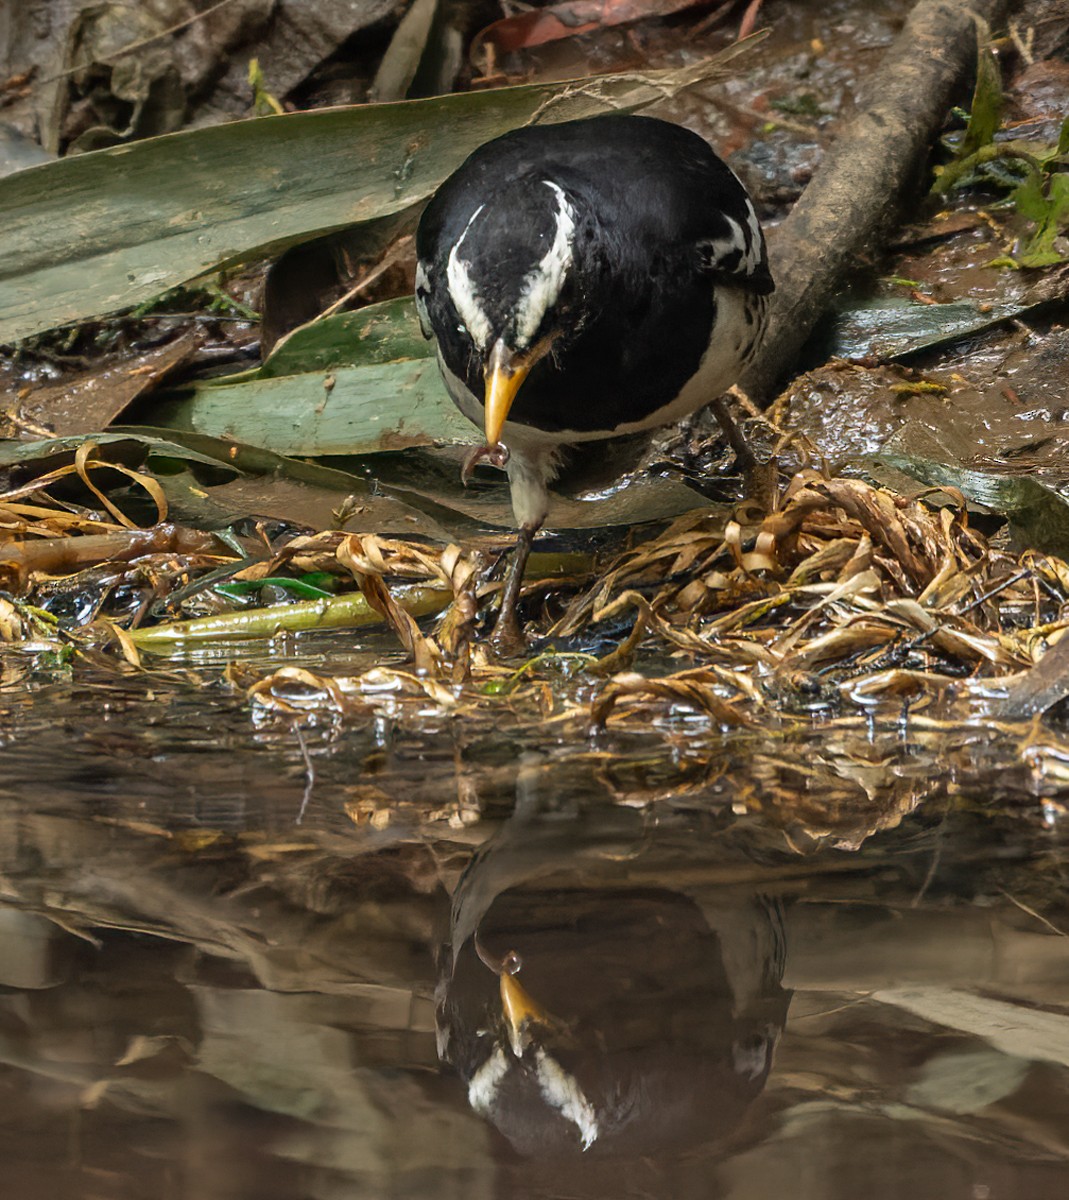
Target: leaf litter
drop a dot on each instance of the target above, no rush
(835, 597)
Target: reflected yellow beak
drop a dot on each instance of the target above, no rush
(504, 375)
(521, 1011)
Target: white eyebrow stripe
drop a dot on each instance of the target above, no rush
(543, 284)
(463, 292)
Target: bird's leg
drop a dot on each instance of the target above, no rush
(529, 470)
(508, 637)
(744, 456)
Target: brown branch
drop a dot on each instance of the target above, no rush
(55, 556)
(855, 197)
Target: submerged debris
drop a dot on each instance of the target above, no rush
(841, 594)
(845, 592)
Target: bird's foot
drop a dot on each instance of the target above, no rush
(508, 639)
(745, 458)
(496, 456)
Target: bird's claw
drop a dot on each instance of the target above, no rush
(496, 455)
(507, 639)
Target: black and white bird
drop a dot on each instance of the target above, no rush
(592, 1001)
(583, 281)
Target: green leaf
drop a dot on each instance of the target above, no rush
(103, 231)
(338, 612)
(353, 383)
(344, 410)
(891, 329)
(1063, 137)
(211, 483)
(985, 113)
(1033, 257)
(1030, 200)
(976, 148)
(295, 587)
(1050, 211)
(264, 103)
(380, 333)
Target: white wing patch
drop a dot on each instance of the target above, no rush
(463, 292)
(562, 1092)
(542, 285)
(739, 250)
(754, 229)
(423, 286)
(482, 1091)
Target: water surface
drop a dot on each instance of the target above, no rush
(825, 960)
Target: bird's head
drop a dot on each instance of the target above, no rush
(514, 278)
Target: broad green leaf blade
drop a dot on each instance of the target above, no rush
(985, 114)
(130, 447)
(892, 329)
(354, 383)
(102, 231)
(344, 410)
(212, 483)
(380, 333)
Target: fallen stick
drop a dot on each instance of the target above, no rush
(1032, 692)
(857, 192)
(59, 555)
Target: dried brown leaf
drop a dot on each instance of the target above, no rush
(697, 689)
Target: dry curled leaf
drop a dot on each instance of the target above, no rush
(699, 690)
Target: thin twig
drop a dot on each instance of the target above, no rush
(933, 867)
(830, 1012)
(749, 19)
(711, 19)
(367, 280)
(1032, 913)
(309, 774)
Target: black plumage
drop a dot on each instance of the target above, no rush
(596, 1003)
(586, 280)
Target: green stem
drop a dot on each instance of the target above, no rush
(955, 170)
(339, 612)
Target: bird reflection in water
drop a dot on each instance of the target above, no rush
(606, 993)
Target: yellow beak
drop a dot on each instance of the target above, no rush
(504, 375)
(521, 1011)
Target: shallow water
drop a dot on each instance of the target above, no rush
(826, 960)
(246, 956)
